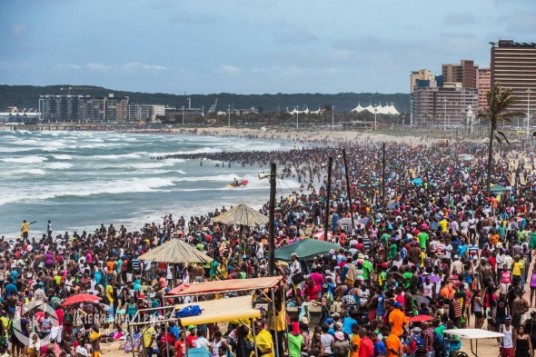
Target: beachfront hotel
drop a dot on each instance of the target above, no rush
(513, 65)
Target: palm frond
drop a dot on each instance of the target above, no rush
(500, 133)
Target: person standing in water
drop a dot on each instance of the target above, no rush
(24, 229)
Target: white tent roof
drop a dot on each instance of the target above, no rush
(379, 109)
(358, 109)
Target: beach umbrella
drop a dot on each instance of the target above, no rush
(420, 318)
(421, 300)
(306, 248)
(80, 299)
(417, 181)
(242, 215)
(344, 222)
(364, 221)
(498, 189)
(176, 251)
(320, 235)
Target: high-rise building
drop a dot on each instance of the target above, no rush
(443, 106)
(483, 83)
(463, 74)
(83, 108)
(420, 75)
(60, 107)
(513, 65)
(137, 112)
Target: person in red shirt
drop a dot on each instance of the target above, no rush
(192, 336)
(311, 291)
(180, 347)
(366, 347)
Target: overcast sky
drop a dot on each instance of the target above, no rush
(249, 46)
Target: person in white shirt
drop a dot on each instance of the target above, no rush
(448, 250)
(201, 341)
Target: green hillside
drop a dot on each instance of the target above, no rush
(27, 97)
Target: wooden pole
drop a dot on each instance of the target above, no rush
(274, 324)
(348, 188)
(328, 194)
(383, 174)
(271, 232)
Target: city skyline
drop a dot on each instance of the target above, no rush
(251, 46)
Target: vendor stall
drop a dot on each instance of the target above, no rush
(473, 334)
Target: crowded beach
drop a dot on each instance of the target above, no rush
(418, 251)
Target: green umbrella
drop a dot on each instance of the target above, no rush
(498, 189)
(305, 248)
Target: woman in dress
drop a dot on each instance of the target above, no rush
(523, 344)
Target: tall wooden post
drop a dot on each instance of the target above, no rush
(328, 194)
(271, 232)
(383, 174)
(348, 188)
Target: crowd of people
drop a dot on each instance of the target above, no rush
(430, 251)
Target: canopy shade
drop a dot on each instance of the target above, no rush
(420, 318)
(223, 286)
(243, 215)
(499, 188)
(176, 251)
(80, 299)
(222, 310)
(305, 248)
(474, 333)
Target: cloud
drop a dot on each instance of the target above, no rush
(131, 66)
(18, 29)
(293, 70)
(339, 55)
(522, 23)
(192, 19)
(296, 37)
(97, 66)
(90, 66)
(459, 19)
(228, 69)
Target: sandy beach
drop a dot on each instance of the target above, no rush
(324, 136)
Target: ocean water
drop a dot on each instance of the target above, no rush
(79, 180)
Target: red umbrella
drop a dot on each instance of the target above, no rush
(320, 235)
(81, 298)
(421, 318)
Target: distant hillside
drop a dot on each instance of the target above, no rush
(27, 97)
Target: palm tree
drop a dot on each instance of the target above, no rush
(499, 100)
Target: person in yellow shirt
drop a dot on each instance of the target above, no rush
(263, 340)
(24, 229)
(444, 223)
(94, 338)
(148, 338)
(397, 319)
(110, 293)
(517, 270)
